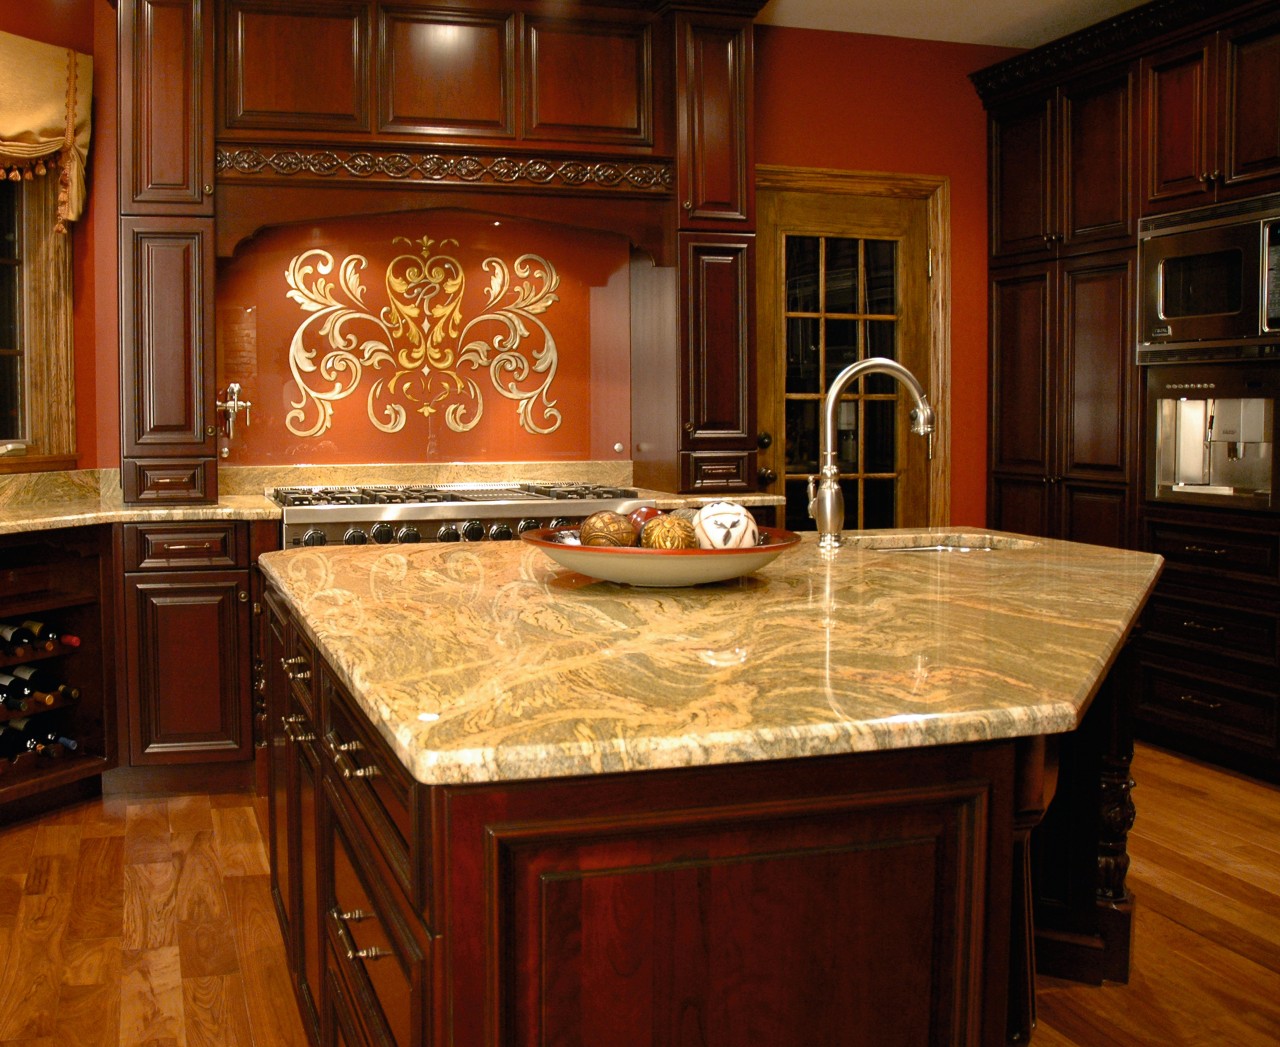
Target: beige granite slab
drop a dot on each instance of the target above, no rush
(489, 662)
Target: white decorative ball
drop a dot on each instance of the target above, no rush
(724, 525)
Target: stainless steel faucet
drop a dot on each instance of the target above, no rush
(826, 502)
(231, 407)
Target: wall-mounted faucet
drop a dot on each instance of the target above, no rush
(231, 406)
(826, 502)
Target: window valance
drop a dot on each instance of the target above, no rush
(46, 95)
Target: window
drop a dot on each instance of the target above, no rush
(37, 353)
(13, 428)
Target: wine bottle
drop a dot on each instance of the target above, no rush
(49, 638)
(11, 741)
(16, 695)
(41, 679)
(16, 641)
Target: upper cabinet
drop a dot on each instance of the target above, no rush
(1211, 117)
(1060, 168)
(713, 95)
(166, 107)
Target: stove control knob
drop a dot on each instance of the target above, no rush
(559, 521)
(448, 533)
(382, 533)
(315, 536)
(355, 536)
(472, 531)
(408, 534)
(500, 532)
(527, 524)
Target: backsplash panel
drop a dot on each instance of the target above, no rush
(426, 336)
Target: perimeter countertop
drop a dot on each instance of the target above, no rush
(490, 662)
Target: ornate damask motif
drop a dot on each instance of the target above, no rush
(437, 167)
(415, 347)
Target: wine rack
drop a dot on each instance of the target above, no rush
(59, 577)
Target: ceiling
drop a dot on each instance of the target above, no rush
(1004, 23)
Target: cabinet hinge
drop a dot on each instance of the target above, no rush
(930, 263)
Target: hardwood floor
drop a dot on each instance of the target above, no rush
(127, 922)
(1205, 854)
(142, 921)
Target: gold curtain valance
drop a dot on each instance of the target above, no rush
(46, 95)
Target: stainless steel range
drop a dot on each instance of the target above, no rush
(384, 514)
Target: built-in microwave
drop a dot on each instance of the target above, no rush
(1209, 283)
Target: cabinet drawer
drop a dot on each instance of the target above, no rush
(373, 948)
(1202, 702)
(710, 472)
(166, 547)
(163, 481)
(1216, 552)
(1243, 632)
(378, 786)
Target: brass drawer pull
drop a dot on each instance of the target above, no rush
(1204, 550)
(1211, 704)
(1191, 623)
(348, 770)
(186, 547)
(372, 952)
(287, 664)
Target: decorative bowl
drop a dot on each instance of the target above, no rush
(632, 565)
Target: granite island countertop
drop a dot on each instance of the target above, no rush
(490, 662)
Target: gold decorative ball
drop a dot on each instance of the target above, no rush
(668, 532)
(606, 528)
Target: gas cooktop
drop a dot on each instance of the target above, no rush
(356, 515)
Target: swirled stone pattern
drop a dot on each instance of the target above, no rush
(487, 662)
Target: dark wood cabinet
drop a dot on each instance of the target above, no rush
(62, 578)
(166, 161)
(1063, 388)
(166, 107)
(1210, 638)
(1211, 117)
(186, 645)
(1061, 167)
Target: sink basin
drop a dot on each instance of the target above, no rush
(957, 542)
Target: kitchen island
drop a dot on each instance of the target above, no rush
(514, 805)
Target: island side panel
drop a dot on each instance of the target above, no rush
(783, 902)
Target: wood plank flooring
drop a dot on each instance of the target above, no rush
(128, 922)
(1205, 871)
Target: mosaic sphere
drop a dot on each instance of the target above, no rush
(688, 513)
(668, 532)
(607, 528)
(724, 525)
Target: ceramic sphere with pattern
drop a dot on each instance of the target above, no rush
(725, 525)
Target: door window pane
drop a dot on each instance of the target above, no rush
(804, 372)
(842, 348)
(882, 276)
(841, 271)
(802, 274)
(802, 436)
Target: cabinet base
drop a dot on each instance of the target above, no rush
(205, 778)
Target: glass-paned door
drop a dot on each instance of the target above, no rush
(846, 284)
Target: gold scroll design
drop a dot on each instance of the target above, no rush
(419, 343)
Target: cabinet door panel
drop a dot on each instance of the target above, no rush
(1251, 146)
(1022, 328)
(188, 666)
(718, 282)
(714, 92)
(1021, 505)
(166, 333)
(291, 68)
(1020, 173)
(1177, 127)
(1095, 515)
(447, 72)
(613, 58)
(1097, 136)
(1097, 344)
(166, 107)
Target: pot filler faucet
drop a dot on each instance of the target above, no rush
(826, 502)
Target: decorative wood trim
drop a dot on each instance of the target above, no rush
(936, 192)
(387, 166)
(1104, 40)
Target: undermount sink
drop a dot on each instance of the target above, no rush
(957, 542)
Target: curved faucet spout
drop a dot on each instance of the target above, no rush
(826, 503)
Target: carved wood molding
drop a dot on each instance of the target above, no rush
(649, 177)
(1139, 27)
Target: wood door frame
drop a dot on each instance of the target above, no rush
(935, 191)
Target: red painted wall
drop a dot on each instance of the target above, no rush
(875, 103)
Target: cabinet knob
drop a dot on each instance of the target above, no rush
(242, 596)
(207, 189)
(764, 440)
(688, 427)
(766, 477)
